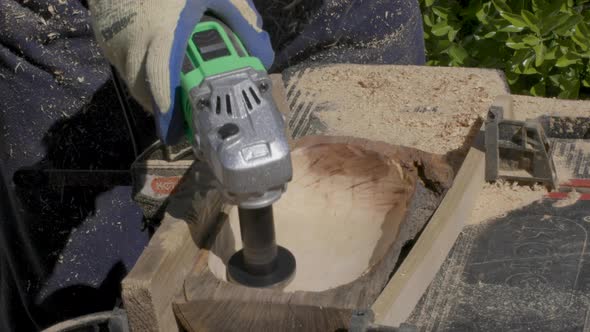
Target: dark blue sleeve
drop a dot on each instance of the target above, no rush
(64, 249)
(346, 31)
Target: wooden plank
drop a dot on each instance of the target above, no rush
(396, 228)
(159, 274)
(241, 316)
(407, 285)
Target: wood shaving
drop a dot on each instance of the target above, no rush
(526, 107)
(499, 198)
(572, 197)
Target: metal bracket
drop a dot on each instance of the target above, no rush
(517, 150)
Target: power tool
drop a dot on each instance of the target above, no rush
(234, 125)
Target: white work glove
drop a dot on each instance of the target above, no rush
(146, 39)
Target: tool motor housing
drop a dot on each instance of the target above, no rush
(232, 120)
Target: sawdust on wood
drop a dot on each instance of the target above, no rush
(497, 199)
(428, 108)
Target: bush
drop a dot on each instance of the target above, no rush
(543, 46)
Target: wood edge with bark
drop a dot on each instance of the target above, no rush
(404, 290)
(202, 287)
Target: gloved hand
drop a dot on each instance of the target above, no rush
(146, 40)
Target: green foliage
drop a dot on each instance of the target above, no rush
(543, 46)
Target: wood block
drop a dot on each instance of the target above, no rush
(158, 275)
(408, 284)
(242, 316)
(180, 273)
(362, 190)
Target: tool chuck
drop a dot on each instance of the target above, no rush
(261, 262)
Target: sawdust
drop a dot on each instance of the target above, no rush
(572, 197)
(497, 199)
(429, 108)
(526, 107)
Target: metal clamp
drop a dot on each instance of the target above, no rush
(517, 150)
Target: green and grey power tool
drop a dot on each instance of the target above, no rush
(234, 125)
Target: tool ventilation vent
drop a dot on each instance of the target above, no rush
(223, 104)
(251, 98)
(226, 103)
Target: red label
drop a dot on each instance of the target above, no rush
(579, 183)
(165, 186)
(560, 195)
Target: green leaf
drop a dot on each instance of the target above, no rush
(441, 12)
(539, 89)
(516, 43)
(473, 7)
(570, 89)
(568, 25)
(551, 7)
(532, 22)
(522, 62)
(429, 20)
(482, 13)
(551, 53)
(566, 60)
(453, 34)
(538, 5)
(490, 34)
(539, 54)
(510, 28)
(512, 77)
(569, 83)
(581, 36)
(458, 53)
(552, 22)
(501, 6)
(531, 40)
(429, 2)
(441, 29)
(581, 41)
(584, 55)
(555, 79)
(515, 20)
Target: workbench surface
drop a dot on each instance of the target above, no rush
(526, 271)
